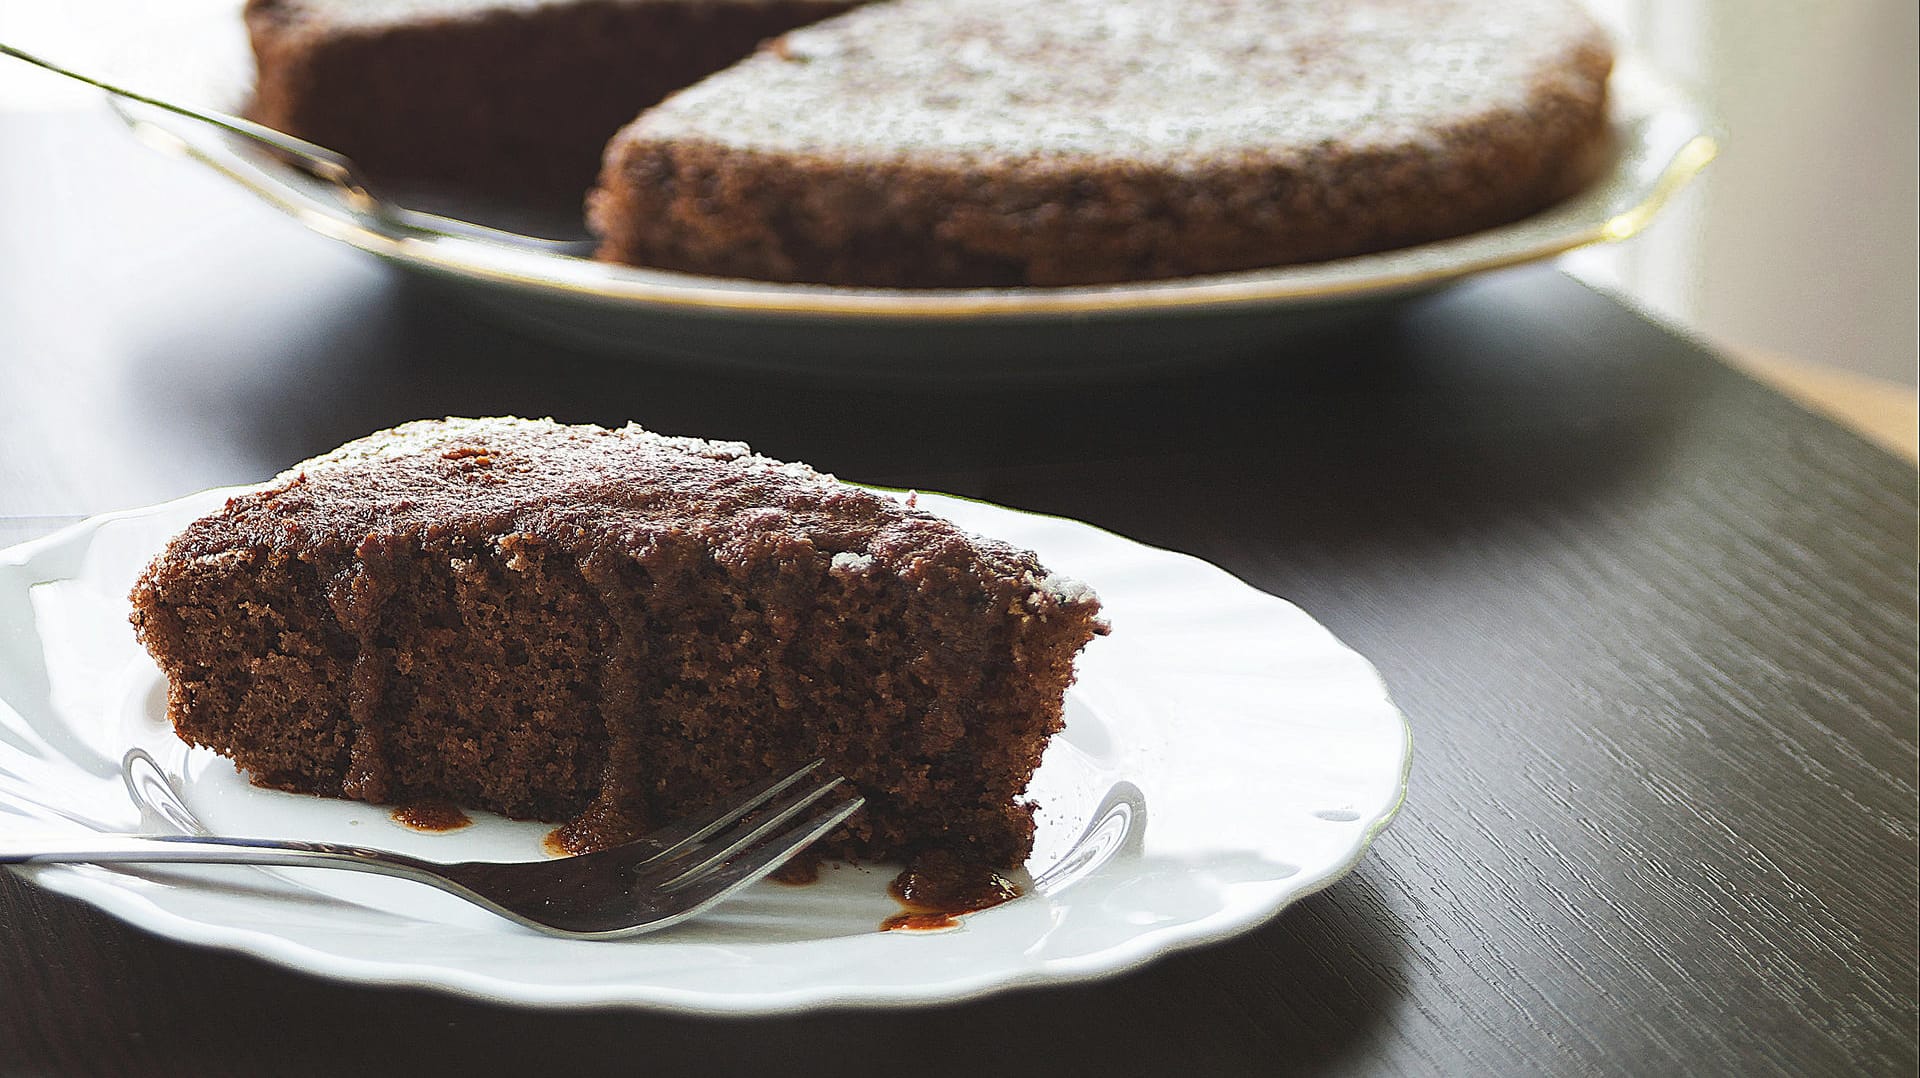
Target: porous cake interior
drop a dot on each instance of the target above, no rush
(618, 689)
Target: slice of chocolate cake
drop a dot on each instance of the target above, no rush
(502, 97)
(616, 628)
(1000, 142)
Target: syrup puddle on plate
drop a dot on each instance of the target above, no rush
(936, 891)
(432, 816)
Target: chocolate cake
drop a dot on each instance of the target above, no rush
(614, 627)
(502, 97)
(1000, 142)
(931, 143)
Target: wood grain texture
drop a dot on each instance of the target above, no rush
(1653, 626)
(1885, 413)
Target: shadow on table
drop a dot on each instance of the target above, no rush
(1310, 990)
(1495, 392)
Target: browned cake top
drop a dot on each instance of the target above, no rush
(456, 484)
(1145, 81)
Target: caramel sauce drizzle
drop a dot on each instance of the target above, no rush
(936, 890)
(431, 816)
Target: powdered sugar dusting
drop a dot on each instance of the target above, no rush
(512, 445)
(849, 562)
(421, 436)
(1069, 591)
(1061, 589)
(1147, 80)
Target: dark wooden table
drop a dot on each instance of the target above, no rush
(1653, 626)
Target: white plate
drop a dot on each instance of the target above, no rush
(1224, 752)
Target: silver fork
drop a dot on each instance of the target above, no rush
(322, 164)
(659, 880)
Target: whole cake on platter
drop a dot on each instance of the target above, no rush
(928, 143)
(615, 628)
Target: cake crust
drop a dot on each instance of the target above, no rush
(616, 628)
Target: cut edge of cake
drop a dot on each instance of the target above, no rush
(498, 613)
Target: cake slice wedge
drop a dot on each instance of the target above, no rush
(513, 99)
(614, 628)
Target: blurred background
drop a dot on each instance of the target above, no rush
(1797, 248)
(1800, 240)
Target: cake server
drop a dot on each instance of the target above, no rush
(326, 166)
(655, 881)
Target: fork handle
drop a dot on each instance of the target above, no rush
(199, 850)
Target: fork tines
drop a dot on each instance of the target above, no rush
(755, 830)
